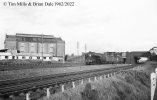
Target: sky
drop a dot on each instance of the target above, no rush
(103, 25)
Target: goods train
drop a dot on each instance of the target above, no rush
(88, 58)
(98, 58)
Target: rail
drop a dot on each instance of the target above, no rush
(23, 85)
(12, 66)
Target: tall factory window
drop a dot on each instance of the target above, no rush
(29, 39)
(51, 50)
(34, 39)
(19, 39)
(39, 39)
(23, 39)
(49, 40)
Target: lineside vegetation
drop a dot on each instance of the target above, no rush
(128, 85)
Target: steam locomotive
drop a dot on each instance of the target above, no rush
(98, 58)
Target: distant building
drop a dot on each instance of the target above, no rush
(38, 46)
(123, 54)
(153, 51)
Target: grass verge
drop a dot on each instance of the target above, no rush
(129, 85)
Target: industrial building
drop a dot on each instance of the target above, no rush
(153, 54)
(33, 46)
(153, 51)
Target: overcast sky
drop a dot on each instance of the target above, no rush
(103, 25)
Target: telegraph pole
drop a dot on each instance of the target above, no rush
(52, 54)
(85, 48)
(77, 48)
(42, 46)
(64, 54)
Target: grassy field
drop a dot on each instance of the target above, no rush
(128, 85)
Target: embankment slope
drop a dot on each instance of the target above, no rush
(128, 85)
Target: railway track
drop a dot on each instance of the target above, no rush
(27, 84)
(12, 66)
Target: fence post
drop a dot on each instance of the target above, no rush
(11, 96)
(73, 84)
(108, 75)
(95, 78)
(28, 96)
(82, 81)
(62, 87)
(48, 92)
(89, 80)
(153, 84)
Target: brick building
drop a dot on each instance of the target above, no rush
(38, 46)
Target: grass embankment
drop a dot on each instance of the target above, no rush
(129, 85)
(27, 73)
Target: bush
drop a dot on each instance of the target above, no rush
(89, 94)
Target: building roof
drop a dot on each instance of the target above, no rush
(46, 38)
(10, 38)
(3, 50)
(34, 35)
